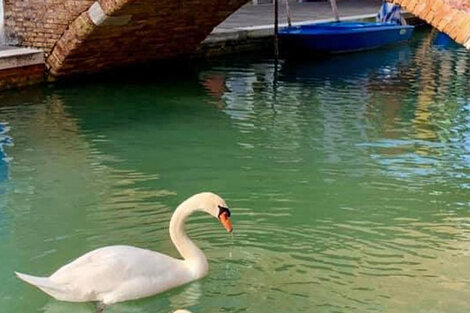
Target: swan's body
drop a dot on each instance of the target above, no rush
(113, 274)
(119, 273)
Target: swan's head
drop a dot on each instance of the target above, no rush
(214, 205)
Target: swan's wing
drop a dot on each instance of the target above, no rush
(109, 268)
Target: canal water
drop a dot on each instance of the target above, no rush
(348, 179)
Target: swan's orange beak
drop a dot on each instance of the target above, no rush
(226, 221)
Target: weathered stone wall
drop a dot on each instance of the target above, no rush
(449, 16)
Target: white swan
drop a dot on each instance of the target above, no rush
(118, 273)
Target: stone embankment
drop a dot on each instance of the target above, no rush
(21, 67)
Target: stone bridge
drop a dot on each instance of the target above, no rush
(81, 36)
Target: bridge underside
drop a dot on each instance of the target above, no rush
(84, 36)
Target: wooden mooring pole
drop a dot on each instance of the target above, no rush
(276, 28)
(335, 10)
(289, 20)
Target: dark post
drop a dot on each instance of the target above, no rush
(276, 28)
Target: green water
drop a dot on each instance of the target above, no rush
(348, 179)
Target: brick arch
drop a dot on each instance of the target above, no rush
(449, 16)
(121, 32)
(90, 35)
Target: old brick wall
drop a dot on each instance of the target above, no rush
(449, 16)
(40, 23)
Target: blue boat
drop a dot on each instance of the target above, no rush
(341, 37)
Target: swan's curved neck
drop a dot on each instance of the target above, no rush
(191, 254)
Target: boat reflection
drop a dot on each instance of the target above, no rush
(345, 67)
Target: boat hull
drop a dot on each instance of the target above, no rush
(342, 37)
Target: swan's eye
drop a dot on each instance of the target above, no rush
(222, 210)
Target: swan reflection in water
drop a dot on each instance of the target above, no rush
(167, 303)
